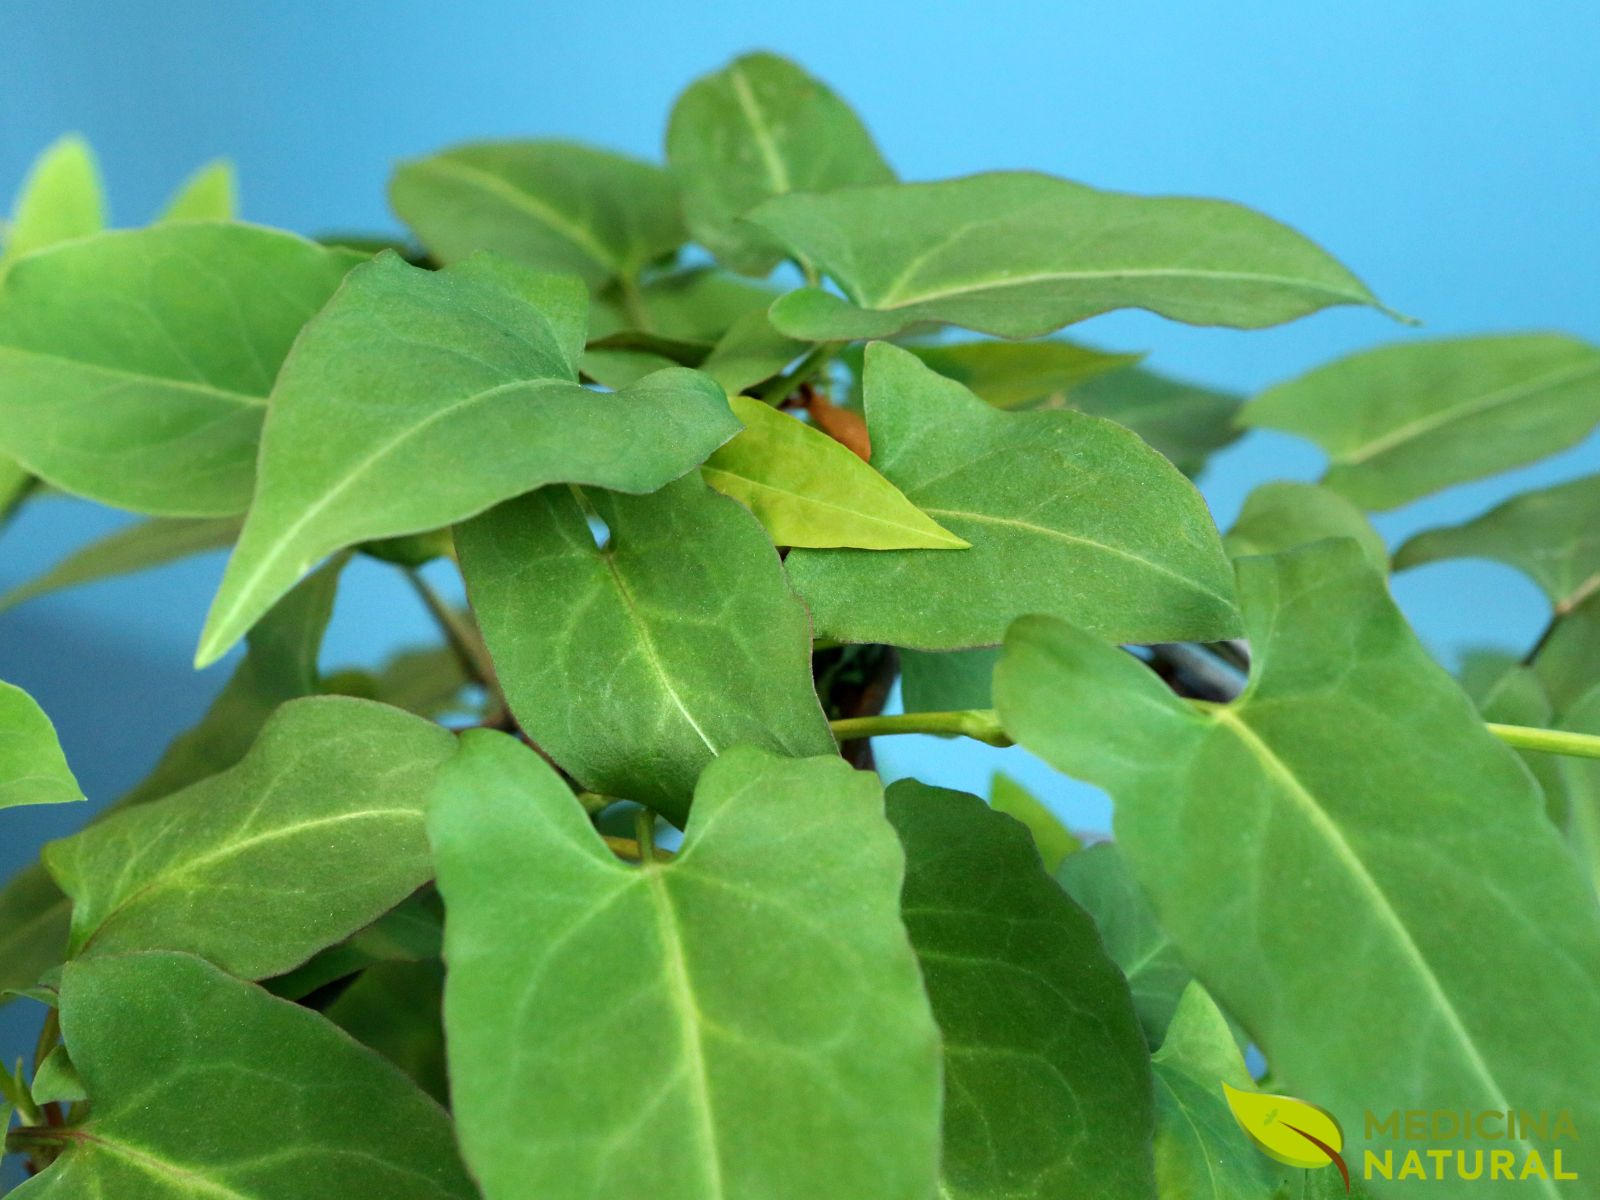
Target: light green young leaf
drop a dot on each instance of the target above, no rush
(1552, 536)
(1098, 879)
(553, 206)
(1281, 515)
(267, 1100)
(32, 768)
(757, 997)
(430, 370)
(1022, 374)
(1184, 421)
(314, 834)
(1018, 254)
(56, 1081)
(1389, 821)
(636, 664)
(135, 367)
(61, 199)
(940, 681)
(808, 490)
(133, 548)
(1066, 515)
(1568, 656)
(1051, 838)
(1047, 1079)
(210, 194)
(758, 128)
(1405, 420)
(1201, 1153)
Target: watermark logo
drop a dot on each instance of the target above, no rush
(1291, 1131)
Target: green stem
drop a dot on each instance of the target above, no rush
(633, 302)
(980, 724)
(461, 637)
(983, 724)
(1550, 741)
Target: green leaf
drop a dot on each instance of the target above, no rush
(1022, 374)
(1047, 1080)
(689, 1029)
(61, 199)
(1568, 656)
(1405, 420)
(133, 548)
(14, 484)
(1125, 546)
(1098, 879)
(1018, 255)
(394, 1008)
(636, 664)
(933, 681)
(1389, 820)
(1552, 536)
(210, 194)
(758, 128)
(314, 834)
(750, 352)
(135, 367)
(428, 681)
(1519, 697)
(808, 490)
(267, 1100)
(1051, 838)
(410, 932)
(553, 206)
(1201, 1152)
(696, 304)
(1184, 421)
(1280, 516)
(56, 1081)
(34, 921)
(1580, 783)
(473, 365)
(32, 768)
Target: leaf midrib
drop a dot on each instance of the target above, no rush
(198, 387)
(947, 541)
(158, 1167)
(1356, 869)
(1487, 402)
(777, 171)
(531, 204)
(893, 303)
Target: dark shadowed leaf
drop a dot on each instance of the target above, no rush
(1568, 657)
(1402, 421)
(1019, 254)
(758, 128)
(1066, 514)
(203, 1086)
(722, 1017)
(395, 1009)
(942, 680)
(1186, 422)
(1047, 1079)
(1388, 821)
(636, 664)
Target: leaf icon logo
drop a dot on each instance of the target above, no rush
(1291, 1131)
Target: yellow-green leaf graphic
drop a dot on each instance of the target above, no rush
(1289, 1130)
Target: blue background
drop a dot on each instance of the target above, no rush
(1448, 154)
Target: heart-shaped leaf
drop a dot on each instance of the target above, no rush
(761, 983)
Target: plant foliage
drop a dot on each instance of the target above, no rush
(599, 896)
